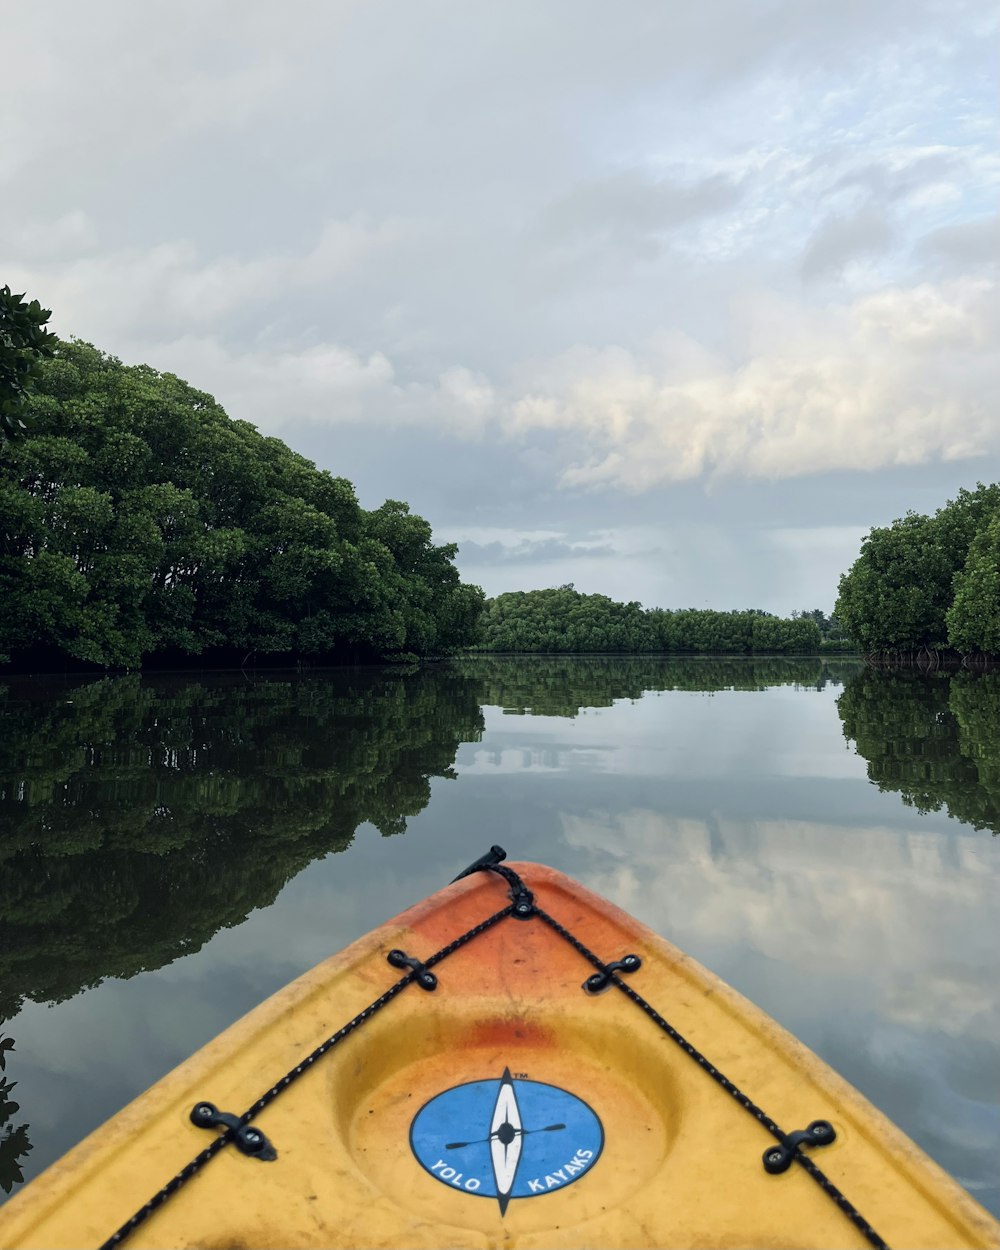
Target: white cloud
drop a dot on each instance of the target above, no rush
(470, 397)
(898, 377)
(971, 244)
(64, 236)
(843, 238)
(327, 383)
(556, 250)
(884, 892)
(137, 294)
(895, 377)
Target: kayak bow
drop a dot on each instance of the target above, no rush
(547, 1072)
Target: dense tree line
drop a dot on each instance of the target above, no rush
(138, 520)
(564, 620)
(929, 583)
(833, 640)
(931, 738)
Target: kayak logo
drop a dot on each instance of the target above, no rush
(506, 1138)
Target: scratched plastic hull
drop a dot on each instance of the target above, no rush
(505, 1108)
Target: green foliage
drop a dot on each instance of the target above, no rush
(974, 616)
(23, 342)
(928, 582)
(930, 737)
(830, 629)
(141, 520)
(563, 620)
(837, 646)
(704, 631)
(796, 636)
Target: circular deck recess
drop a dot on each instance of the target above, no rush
(552, 1129)
(507, 1138)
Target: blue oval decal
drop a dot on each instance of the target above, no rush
(506, 1138)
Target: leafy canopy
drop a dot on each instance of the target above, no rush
(929, 581)
(23, 342)
(142, 521)
(564, 620)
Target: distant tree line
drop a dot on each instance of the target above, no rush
(929, 584)
(564, 620)
(833, 639)
(138, 521)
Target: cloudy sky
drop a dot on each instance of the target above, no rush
(671, 301)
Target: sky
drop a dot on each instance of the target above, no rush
(671, 302)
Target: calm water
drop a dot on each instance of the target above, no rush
(823, 837)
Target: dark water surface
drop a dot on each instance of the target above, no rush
(172, 850)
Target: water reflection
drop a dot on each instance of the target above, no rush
(717, 800)
(14, 1143)
(565, 685)
(872, 944)
(934, 739)
(139, 817)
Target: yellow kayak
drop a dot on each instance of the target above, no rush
(513, 1062)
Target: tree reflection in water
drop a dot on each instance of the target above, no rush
(141, 816)
(932, 738)
(564, 685)
(14, 1143)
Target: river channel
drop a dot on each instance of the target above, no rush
(824, 837)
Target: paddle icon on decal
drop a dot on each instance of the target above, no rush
(532, 1138)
